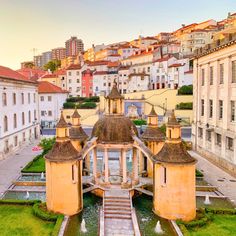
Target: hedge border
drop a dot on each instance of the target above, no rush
(19, 202)
(24, 170)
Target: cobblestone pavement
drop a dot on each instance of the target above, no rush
(216, 176)
(11, 166)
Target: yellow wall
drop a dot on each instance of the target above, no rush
(56, 81)
(176, 199)
(62, 194)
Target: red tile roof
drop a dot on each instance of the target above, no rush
(61, 72)
(163, 59)
(97, 63)
(100, 73)
(188, 72)
(46, 87)
(176, 65)
(144, 53)
(49, 76)
(113, 64)
(73, 67)
(32, 74)
(8, 73)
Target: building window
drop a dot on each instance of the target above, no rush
(220, 109)
(23, 118)
(22, 98)
(69, 73)
(221, 73)
(5, 124)
(77, 72)
(49, 113)
(28, 98)
(15, 121)
(73, 173)
(42, 113)
(15, 141)
(41, 98)
(49, 98)
(211, 75)
(35, 115)
(29, 114)
(200, 132)
(14, 98)
(23, 135)
(203, 77)
(4, 99)
(34, 97)
(163, 176)
(208, 136)
(218, 140)
(232, 110)
(69, 81)
(229, 143)
(202, 107)
(233, 71)
(78, 81)
(210, 108)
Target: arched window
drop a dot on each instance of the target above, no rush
(4, 99)
(15, 121)
(29, 117)
(23, 118)
(5, 122)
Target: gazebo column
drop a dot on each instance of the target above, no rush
(95, 164)
(121, 162)
(87, 163)
(135, 167)
(106, 166)
(124, 166)
(141, 161)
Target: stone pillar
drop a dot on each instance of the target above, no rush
(135, 167)
(124, 166)
(106, 165)
(141, 164)
(87, 163)
(95, 164)
(121, 163)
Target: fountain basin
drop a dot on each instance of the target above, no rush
(216, 202)
(30, 178)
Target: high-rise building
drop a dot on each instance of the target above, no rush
(58, 53)
(74, 46)
(46, 57)
(38, 61)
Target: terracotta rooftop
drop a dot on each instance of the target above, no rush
(8, 73)
(174, 153)
(77, 132)
(46, 87)
(49, 76)
(175, 65)
(62, 151)
(100, 73)
(73, 67)
(153, 134)
(153, 112)
(172, 120)
(114, 94)
(62, 123)
(32, 74)
(113, 64)
(188, 72)
(97, 63)
(76, 114)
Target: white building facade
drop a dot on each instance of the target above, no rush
(19, 120)
(214, 127)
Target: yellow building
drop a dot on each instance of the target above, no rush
(153, 138)
(64, 174)
(174, 178)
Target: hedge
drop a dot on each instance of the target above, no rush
(69, 105)
(221, 211)
(184, 106)
(19, 202)
(140, 122)
(198, 173)
(40, 210)
(185, 90)
(87, 105)
(83, 99)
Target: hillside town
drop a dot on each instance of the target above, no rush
(118, 98)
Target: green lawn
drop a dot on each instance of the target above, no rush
(19, 220)
(37, 165)
(222, 225)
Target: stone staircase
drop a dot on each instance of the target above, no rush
(117, 208)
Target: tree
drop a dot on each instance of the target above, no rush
(52, 65)
(29, 65)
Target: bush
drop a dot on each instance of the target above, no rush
(140, 122)
(184, 106)
(198, 173)
(186, 90)
(47, 144)
(221, 211)
(92, 99)
(87, 105)
(69, 105)
(72, 99)
(40, 210)
(163, 129)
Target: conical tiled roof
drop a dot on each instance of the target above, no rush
(153, 134)
(62, 123)
(77, 133)
(172, 120)
(114, 94)
(153, 112)
(76, 114)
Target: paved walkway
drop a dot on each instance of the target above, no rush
(11, 166)
(216, 176)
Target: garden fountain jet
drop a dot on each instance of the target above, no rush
(158, 228)
(83, 227)
(27, 195)
(42, 176)
(207, 200)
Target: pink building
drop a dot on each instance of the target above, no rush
(87, 83)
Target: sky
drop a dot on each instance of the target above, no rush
(47, 24)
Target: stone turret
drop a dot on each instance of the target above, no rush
(63, 174)
(153, 138)
(174, 177)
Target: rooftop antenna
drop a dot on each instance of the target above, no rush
(34, 50)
